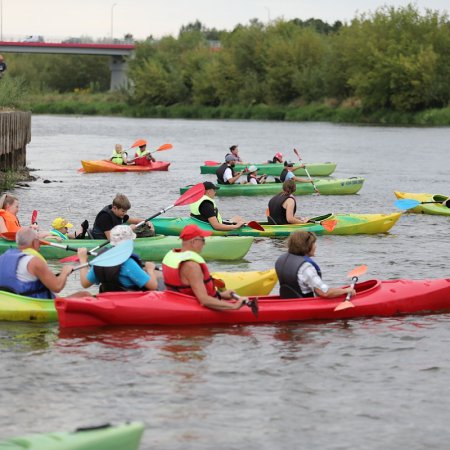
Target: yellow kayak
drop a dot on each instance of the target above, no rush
(423, 203)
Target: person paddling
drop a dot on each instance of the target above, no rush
(205, 209)
(185, 271)
(252, 176)
(287, 174)
(119, 156)
(226, 173)
(300, 276)
(283, 206)
(277, 158)
(142, 157)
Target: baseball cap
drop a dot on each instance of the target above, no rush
(209, 185)
(230, 158)
(252, 168)
(121, 233)
(59, 222)
(192, 231)
(279, 155)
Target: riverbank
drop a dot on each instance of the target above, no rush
(116, 104)
(12, 178)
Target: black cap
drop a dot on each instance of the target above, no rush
(288, 164)
(209, 185)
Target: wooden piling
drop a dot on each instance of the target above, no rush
(15, 134)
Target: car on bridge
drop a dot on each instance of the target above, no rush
(33, 39)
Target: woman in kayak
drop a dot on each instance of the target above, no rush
(119, 156)
(9, 207)
(185, 271)
(282, 207)
(298, 275)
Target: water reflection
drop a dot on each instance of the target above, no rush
(23, 337)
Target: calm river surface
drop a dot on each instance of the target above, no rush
(363, 384)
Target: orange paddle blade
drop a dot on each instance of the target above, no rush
(164, 147)
(9, 235)
(139, 143)
(357, 271)
(344, 305)
(329, 225)
(212, 163)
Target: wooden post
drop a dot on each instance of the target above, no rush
(15, 134)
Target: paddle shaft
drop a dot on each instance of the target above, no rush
(306, 170)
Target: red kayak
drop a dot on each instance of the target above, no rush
(108, 166)
(373, 298)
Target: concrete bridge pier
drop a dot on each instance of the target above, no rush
(118, 67)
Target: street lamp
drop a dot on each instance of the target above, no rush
(112, 21)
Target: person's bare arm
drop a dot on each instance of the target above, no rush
(290, 217)
(334, 292)
(223, 227)
(40, 269)
(3, 228)
(151, 284)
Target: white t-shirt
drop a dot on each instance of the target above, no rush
(227, 174)
(253, 180)
(22, 269)
(308, 279)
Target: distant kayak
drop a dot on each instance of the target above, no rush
(425, 207)
(107, 437)
(373, 298)
(151, 248)
(335, 186)
(347, 224)
(315, 169)
(108, 166)
(19, 308)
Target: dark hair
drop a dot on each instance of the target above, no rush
(289, 186)
(301, 242)
(121, 201)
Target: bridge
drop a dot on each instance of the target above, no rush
(117, 52)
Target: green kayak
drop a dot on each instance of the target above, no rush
(346, 224)
(153, 248)
(315, 169)
(122, 437)
(336, 186)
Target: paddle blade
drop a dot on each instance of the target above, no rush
(357, 271)
(191, 195)
(211, 163)
(115, 256)
(255, 225)
(139, 143)
(73, 258)
(9, 235)
(163, 147)
(406, 203)
(298, 154)
(344, 305)
(34, 217)
(329, 225)
(253, 304)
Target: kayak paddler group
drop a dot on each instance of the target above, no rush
(142, 156)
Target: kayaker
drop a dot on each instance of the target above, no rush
(287, 174)
(115, 214)
(24, 270)
(283, 206)
(119, 156)
(299, 275)
(60, 229)
(9, 207)
(185, 271)
(142, 156)
(205, 209)
(234, 151)
(226, 173)
(252, 176)
(132, 275)
(277, 158)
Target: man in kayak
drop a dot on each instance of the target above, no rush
(132, 275)
(226, 173)
(142, 156)
(185, 271)
(205, 209)
(119, 156)
(61, 226)
(24, 270)
(234, 151)
(115, 214)
(282, 207)
(300, 276)
(288, 174)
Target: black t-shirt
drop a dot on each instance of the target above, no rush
(206, 210)
(105, 222)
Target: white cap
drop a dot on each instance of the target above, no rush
(121, 233)
(252, 168)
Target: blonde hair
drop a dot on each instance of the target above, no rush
(301, 242)
(7, 200)
(119, 148)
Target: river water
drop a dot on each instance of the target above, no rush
(369, 384)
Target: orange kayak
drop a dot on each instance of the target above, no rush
(108, 166)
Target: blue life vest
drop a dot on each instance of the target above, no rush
(8, 277)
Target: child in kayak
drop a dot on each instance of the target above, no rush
(119, 156)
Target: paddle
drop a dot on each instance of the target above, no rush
(159, 149)
(255, 225)
(212, 163)
(113, 257)
(328, 224)
(353, 274)
(252, 304)
(190, 196)
(409, 203)
(34, 217)
(74, 258)
(306, 170)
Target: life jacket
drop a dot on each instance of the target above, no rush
(118, 158)
(221, 171)
(11, 221)
(109, 277)
(8, 275)
(59, 234)
(99, 234)
(277, 214)
(171, 272)
(250, 176)
(287, 267)
(143, 158)
(195, 209)
(283, 174)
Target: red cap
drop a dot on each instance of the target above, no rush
(192, 231)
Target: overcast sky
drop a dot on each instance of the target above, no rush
(64, 18)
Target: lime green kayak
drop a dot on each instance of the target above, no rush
(315, 169)
(336, 186)
(18, 308)
(127, 436)
(153, 248)
(427, 208)
(346, 224)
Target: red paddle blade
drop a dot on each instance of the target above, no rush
(81, 170)
(344, 305)
(73, 258)
(211, 163)
(34, 217)
(164, 147)
(357, 271)
(255, 225)
(191, 195)
(9, 235)
(329, 225)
